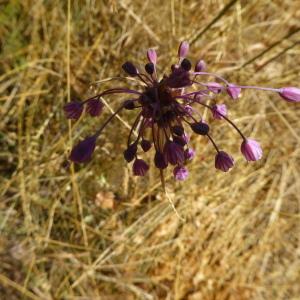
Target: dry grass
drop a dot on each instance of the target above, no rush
(95, 232)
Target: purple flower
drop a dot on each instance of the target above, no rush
(223, 161)
(233, 91)
(178, 130)
(180, 140)
(160, 161)
(152, 56)
(189, 154)
(251, 150)
(180, 173)
(73, 110)
(183, 49)
(94, 107)
(130, 152)
(83, 151)
(140, 167)
(186, 64)
(163, 106)
(146, 145)
(215, 87)
(150, 68)
(130, 68)
(200, 66)
(290, 94)
(174, 153)
(219, 110)
(200, 128)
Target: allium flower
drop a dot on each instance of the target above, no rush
(140, 167)
(215, 87)
(152, 56)
(200, 66)
(94, 107)
(251, 150)
(223, 161)
(189, 154)
(83, 151)
(234, 91)
(146, 145)
(183, 49)
(180, 173)
(167, 112)
(73, 110)
(219, 110)
(290, 94)
(174, 153)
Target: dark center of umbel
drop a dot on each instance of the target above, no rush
(158, 103)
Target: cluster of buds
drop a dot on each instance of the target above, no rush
(167, 114)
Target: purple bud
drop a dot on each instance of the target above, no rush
(129, 104)
(186, 64)
(215, 87)
(94, 107)
(251, 150)
(130, 152)
(160, 161)
(200, 66)
(179, 140)
(140, 167)
(130, 68)
(178, 130)
(149, 67)
(233, 91)
(180, 173)
(200, 128)
(219, 110)
(189, 154)
(83, 151)
(183, 49)
(223, 161)
(152, 56)
(290, 94)
(73, 110)
(174, 153)
(146, 145)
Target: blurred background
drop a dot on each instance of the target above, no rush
(96, 232)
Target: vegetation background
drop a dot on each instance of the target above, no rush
(95, 231)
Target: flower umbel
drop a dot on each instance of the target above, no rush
(167, 113)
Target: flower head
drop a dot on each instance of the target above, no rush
(183, 49)
(166, 111)
(189, 154)
(152, 56)
(174, 153)
(83, 151)
(219, 110)
(200, 66)
(180, 173)
(223, 161)
(234, 91)
(140, 167)
(73, 110)
(251, 150)
(290, 94)
(94, 107)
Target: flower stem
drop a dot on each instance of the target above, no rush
(108, 120)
